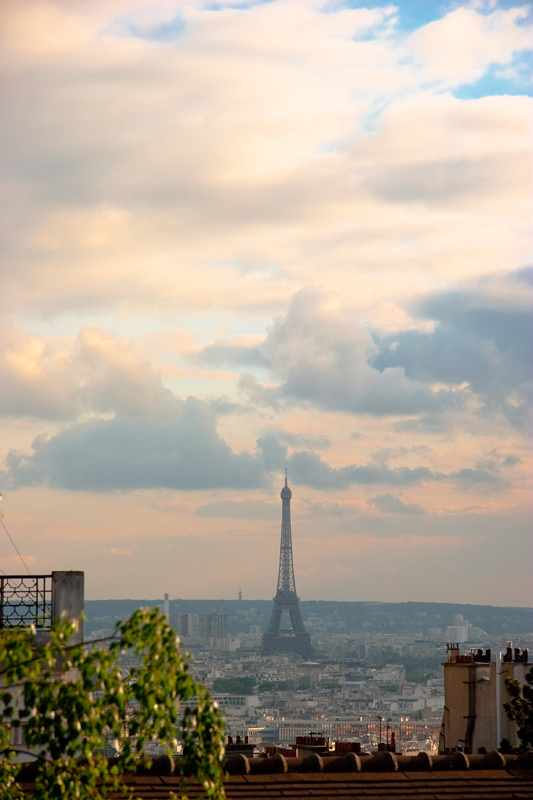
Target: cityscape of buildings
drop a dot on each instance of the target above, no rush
(405, 687)
(277, 683)
(353, 682)
(250, 246)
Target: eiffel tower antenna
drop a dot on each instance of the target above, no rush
(276, 640)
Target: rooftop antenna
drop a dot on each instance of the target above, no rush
(285, 476)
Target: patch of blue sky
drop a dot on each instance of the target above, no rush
(369, 122)
(505, 5)
(327, 148)
(510, 79)
(166, 31)
(412, 14)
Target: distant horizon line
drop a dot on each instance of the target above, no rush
(269, 600)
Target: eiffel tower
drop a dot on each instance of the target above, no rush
(297, 639)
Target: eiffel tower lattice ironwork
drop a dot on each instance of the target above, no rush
(276, 640)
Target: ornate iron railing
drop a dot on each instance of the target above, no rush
(25, 600)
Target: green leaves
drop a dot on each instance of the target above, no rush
(72, 700)
(520, 709)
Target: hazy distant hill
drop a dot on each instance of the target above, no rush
(330, 616)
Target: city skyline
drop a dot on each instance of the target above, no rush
(245, 237)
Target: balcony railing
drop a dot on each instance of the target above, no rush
(25, 600)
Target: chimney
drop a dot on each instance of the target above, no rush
(452, 653)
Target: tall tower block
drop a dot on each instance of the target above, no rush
(276, 640)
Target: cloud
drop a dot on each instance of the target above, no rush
(317, 442)
(90, 373)
(478, 40)
(390, 504)
(237, 352)
(309, 469)
(117, 551)
(483, 337)
(273, 446)
(315, 509)
(184, 451)
(245, 150)
(180, 174)
(16, 560)
(181, 451)
(473, 342)
(321, 354)
(512, 461)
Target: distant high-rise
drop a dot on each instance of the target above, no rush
(276, 640)
(207, 626)
(213, 625)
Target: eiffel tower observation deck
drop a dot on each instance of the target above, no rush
(276, 640)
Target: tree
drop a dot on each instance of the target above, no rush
(520, 709)
(68, 700)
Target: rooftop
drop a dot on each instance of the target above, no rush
(454, 777)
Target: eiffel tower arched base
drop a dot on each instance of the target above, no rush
(281, 643)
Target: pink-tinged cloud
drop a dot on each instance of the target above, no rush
(243, 237)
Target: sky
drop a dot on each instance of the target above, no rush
(243, 236)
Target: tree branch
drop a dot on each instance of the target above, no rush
(64, 649)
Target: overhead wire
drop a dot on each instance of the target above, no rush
(15, 546)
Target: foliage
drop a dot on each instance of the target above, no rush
(239, 685)
(520, 709)
(506, 747)
(275, 686)
(70, 700)
(267, 686)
